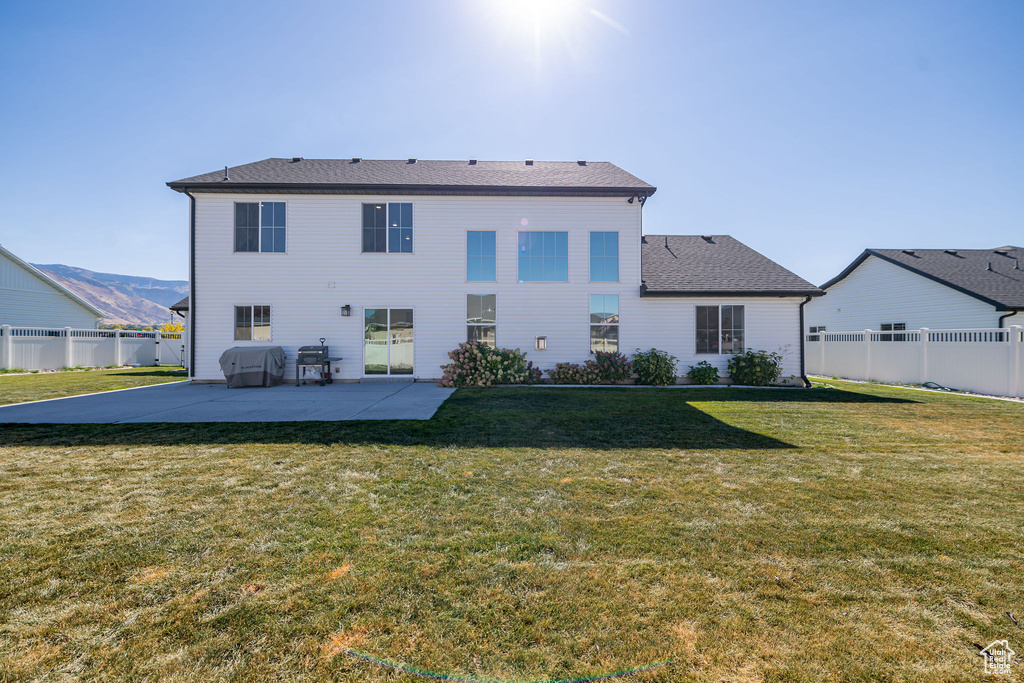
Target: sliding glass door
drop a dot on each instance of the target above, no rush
(387, 341)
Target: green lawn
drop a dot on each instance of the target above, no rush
(847, 533)
(44, 385)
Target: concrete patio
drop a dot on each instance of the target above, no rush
(184, 402)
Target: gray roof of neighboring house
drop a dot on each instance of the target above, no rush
(995, 276)
(713, 265)
(180, 306)
(424, 176)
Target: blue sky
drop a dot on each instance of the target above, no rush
(808, 130)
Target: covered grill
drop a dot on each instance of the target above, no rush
(315, 356)
(253, 366)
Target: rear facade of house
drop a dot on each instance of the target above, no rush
(395, 263)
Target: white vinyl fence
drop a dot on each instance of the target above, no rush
(52, 348)
(986, 361)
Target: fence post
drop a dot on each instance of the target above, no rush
(821, 367)
(156, 351)
(924, 355)
(117, 347)
(1016, 361)
(69, 356)
(6, 347)
(867, 354)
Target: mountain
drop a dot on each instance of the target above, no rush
(126, 299)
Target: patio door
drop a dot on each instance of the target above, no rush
(387, 341)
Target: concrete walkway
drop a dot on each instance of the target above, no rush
(184, 402)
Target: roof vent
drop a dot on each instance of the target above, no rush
(529, 162)
(356, 160)
(1016, 264)
(581, 162)
(708, 239)
(226, 173)
(909, 252)
(296, 160)
(412, 160)
(951, 252)
(472, 162)
(1002, 252)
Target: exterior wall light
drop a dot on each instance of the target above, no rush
(346, 311)
(542, 343)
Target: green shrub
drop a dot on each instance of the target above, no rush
(755, 368)
(703, 373)
(612, 367)
(478, 365)
(574, 373)
(654, 367)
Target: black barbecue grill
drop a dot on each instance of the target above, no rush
(315, 356)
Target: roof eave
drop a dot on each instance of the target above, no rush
(646, 291)
(388, 189)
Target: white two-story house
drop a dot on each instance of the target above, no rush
(395, 263)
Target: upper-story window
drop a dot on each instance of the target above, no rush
(480, 256)
(543, 257)
(604, 257)
(260, 226)
(387, 227)
(720, 329)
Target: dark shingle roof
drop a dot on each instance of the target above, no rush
(181, 305)
(705, 265)
(423, 176)
(965, 270)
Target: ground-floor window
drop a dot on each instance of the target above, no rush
(893, 327)
(814, 332)
(481, 315)
(604, 323)
(720, 329)
(252, 323)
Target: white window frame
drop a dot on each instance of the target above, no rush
(719, 352)
(234, 322)
(616, 325)
(387, 228)
(494, 324)
(259, 230)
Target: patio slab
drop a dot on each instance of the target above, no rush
(185, 402)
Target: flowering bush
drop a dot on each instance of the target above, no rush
(478, 365)
(574, 373)
(613, 367)
(654, 367)
(755, 368)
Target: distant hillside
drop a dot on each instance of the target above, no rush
(126, 299)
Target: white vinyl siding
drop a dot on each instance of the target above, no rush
(879, 292)
(26, 300)
(326, 269)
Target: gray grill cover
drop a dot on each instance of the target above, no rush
(253, 366)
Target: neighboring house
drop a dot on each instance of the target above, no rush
(395, 263)
(31, 299)
(181, 310)
(894, 289)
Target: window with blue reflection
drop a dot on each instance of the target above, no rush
(543, 257)
(604, 257)
(272, 227)
(480, 256)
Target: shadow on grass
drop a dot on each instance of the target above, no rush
(506, 418)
